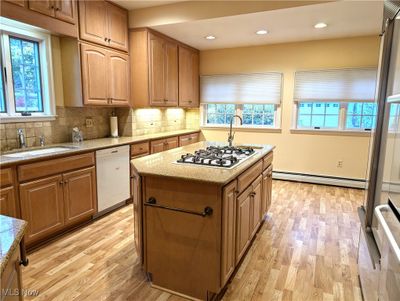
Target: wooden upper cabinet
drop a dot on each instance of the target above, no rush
(79, 194)
(117, 23)
(65, 10)
(46, 7)
(188, 77)
(7, 202)
(118, 77)
(171, 73)
(156, 69)
(103, 23)
(42, 207)
(93, 21)
(95, 75)
(155, 72)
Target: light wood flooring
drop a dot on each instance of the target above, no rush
(305, 250)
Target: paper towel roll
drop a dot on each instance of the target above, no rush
(114, 126)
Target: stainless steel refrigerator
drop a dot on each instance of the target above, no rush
(379, 253)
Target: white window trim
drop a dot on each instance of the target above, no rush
(14, 28)
(236, 124)
(342, 122)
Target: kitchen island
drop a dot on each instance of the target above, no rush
(195, 222)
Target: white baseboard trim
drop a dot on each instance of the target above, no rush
(316, 179)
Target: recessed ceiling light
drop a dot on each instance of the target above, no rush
(261, 31)
(210, 37)
(320, 25)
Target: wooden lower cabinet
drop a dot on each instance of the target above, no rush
(243, 223)
(172, 143)
(137, 212)
(228, 260)
(189, 139)
(42, 207)
(7, 202)
(51, 204)
(161, 145)
(79, 194)
(266, 190)
(256, 205)
(11, 279)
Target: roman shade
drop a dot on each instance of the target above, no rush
(352, 85)
(241, 88)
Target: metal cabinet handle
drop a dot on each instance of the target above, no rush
(152, 202)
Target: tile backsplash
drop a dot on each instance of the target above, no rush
(59, 130)
(131, 122)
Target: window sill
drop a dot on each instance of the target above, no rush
(242, 128)
(330, 132)
(16, 119)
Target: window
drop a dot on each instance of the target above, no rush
(361, 115)
(340, 99)
(254, 97)
(26, 77)
(318, 115)
(394, 116)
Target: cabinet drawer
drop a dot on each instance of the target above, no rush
(188, 139)
(267, 160)
(6, 177)
(140, 149)
(249, 175)
(55, 166)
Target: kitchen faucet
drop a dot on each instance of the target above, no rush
(232, 135)
(21, 138)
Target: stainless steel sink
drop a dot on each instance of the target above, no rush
(37, 152)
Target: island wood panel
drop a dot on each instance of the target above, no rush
(42, 207)
(256, 215)
(243, 223)
(173, 255)
(79, 194)
(266, 190)
(136, 191)
(228, 260)
(11, 278)
(54, 166)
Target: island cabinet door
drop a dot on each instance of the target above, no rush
(228, 262)
(266, 190)
(42, 206)
(137, 212)
(256, 205)
(243, 222)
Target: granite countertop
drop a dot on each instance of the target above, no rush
(163, 164)
(87, 145)
(11, 232)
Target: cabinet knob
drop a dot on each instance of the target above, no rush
(105, 39)
(190, 101)
(109, 40)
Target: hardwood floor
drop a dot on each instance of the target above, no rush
(305, 250)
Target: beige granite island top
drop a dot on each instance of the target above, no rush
(11, 232)
(87, 145)
(163, 164)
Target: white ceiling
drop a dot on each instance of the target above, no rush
(344, 19)
(136, 4)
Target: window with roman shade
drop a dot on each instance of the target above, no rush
(255, 97)
(339, 99)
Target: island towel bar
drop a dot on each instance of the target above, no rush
(152, 202)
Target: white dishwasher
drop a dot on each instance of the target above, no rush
(112, 170)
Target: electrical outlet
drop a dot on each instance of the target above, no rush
(89, 122)
(340, 163)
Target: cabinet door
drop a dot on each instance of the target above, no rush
(42, 207)
(8, 205)
(228, 260)
(137, 212)
(243, 222)
(157, 75)
(171, 143)
(79, 194)
(117, 22)
(45, 7)
(11, 278)
(157, 146)
(266, 190)
(93, 21)
(188, 77)
(118, 78)
(171, 74)
(21, 3)
(256, 205)
(94, 62)
(65, 10)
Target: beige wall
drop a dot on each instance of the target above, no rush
(314, 153)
